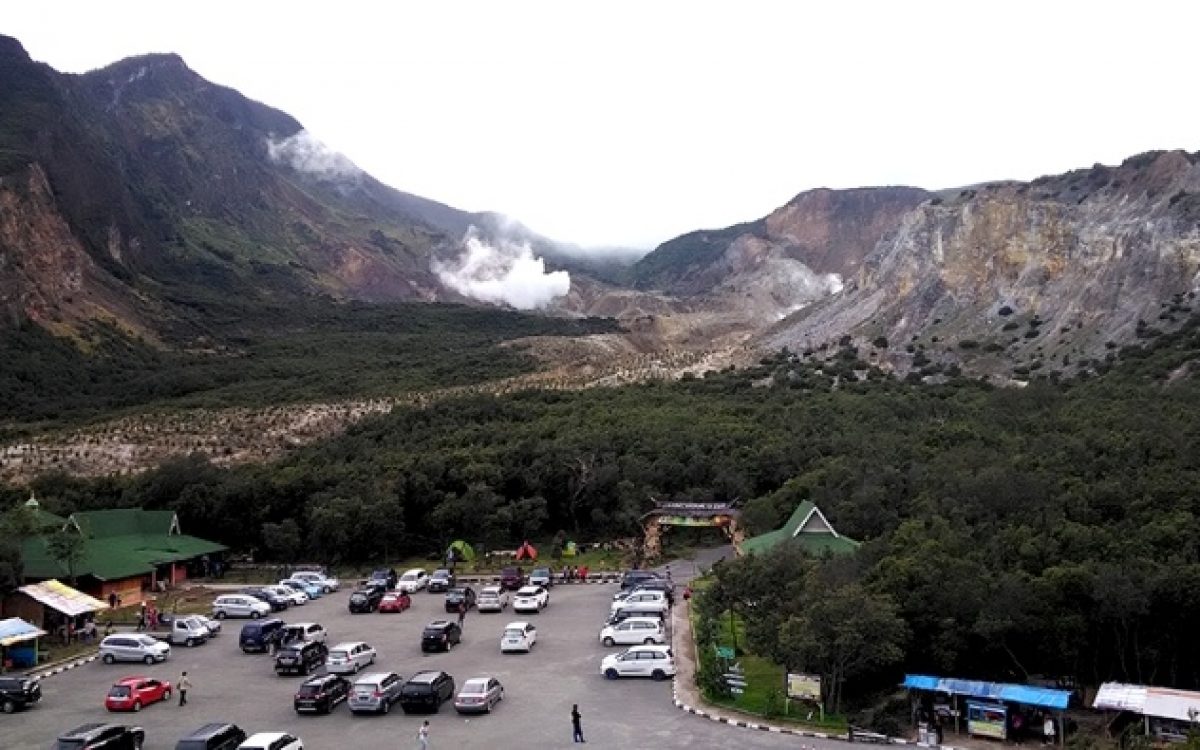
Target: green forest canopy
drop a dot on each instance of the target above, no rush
(1050, 529)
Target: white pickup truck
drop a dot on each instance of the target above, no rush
(181, 631)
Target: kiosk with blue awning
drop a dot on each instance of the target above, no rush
(18, 642)
(991, 709)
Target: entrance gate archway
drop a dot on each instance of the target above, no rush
(721, 516)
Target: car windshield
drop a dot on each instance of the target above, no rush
(339, 654)
(307, 691)
(527, 591)
(541, 571)
(455, 592)
(514, 633)
(441, 574)
(357, 596)
(416, 688)
(146, 640)
(475, 686)
(119, 691)
(391, 597)
(409, 576)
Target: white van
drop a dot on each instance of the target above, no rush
(239, 605)
(634, 630)
(133, 647)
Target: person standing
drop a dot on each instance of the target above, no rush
(112, 600)
(184, 685)
(423, 736)
(577, 723)
(1048, 730)
(462, 612)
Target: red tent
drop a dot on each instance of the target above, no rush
(526, 552)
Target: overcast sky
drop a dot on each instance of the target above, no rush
(628, 123)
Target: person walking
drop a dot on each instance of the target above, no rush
(141, 621)
(576, 723)
(423, 736)
(462, 613)
(184, 685)
(112, 600)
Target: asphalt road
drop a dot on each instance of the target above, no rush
(540, 688)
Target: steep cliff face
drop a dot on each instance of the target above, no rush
(1026, 275)
(826, 231)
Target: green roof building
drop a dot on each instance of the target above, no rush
(807, 527)
(126, 551)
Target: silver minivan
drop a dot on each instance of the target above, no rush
(133, 647)
(239, 605)
(349, 658)
(375, 692)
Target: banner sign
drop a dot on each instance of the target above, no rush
(987, 720)
(693, 521)
(804, 687)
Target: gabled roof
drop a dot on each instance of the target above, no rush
(15, 630)
(62, 598)
(808, 527)
(118, 544)
(99, 524)
(1167, 703)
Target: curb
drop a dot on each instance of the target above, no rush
(43, 673)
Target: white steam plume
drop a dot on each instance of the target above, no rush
(504, 272)
(306, 153)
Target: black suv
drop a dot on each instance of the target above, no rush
(263, 635)
(385, 577)
(460, 595)
(321, 693)
(97, 736)
(366, 599)
(300, 657)
(18, 692)
(215, 736)
(277, 602)
(440, 635)
(441, 580)
(426, 691)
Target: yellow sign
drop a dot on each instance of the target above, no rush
(804, 687)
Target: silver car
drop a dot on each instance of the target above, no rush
(133, 647)
(348, 658)
(375, 692)
(479, 695)
(492, 599)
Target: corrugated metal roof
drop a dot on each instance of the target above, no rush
(15, 630)
(62, 598)
(1002, 691)
(1167, 703)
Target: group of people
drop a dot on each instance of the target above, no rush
(147, 616)
(577, 573)
(70, 630)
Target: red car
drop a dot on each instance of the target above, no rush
(131, 693)
(395, 601)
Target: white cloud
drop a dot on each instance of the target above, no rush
(306, 153)
(502, 273)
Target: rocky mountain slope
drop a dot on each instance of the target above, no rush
(1024, 276)
(133, 191)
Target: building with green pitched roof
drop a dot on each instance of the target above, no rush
(807, 527)
(126, 551)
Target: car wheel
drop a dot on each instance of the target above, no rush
(220, 614)
(137, 744)
(137, 706)
(255, 615)
(8, 707)
(608, 641)
(108, 659)
(386, 707)
(658, 674)
(189, 642)
(166, 696)
(611, 673)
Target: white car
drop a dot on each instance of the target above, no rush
(326, 583)
(133, 647)
(492, 599)
(303, 632)
(348, 658)
(271, 741)
(531, 599)
(212, 626)
(295, 596)
(239, 605)
(413, 580)
(634, 630)
(518, 636)
(656, 662)
(650, 602)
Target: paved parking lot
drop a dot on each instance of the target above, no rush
(540, 688)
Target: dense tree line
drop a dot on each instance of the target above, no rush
(1046, 530)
